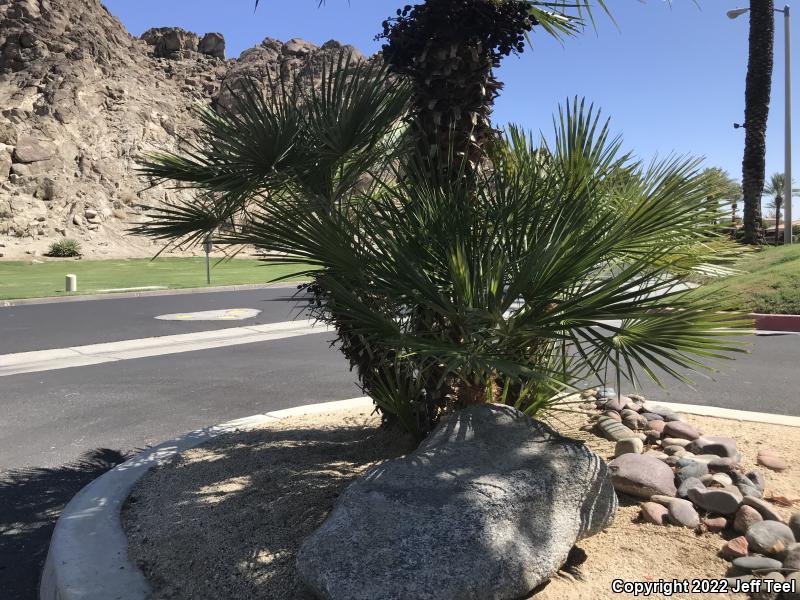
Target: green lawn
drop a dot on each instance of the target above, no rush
(35, 280)
(770, 283)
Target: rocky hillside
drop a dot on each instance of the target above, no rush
(81, 99)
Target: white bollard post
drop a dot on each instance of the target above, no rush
(72, 283)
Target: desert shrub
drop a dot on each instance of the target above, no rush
(65, 248)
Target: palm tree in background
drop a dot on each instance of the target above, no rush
(757, 95)
(775, 188)
(724, 189)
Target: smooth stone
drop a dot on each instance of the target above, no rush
(721, 479)
(734, 548)
(610, 403)
(792, 558)
(748, 490)
(706, 459)
(680, 429)
(629, 446)
(498, 497)
(769, 537)
(771, 460)
(667, 441)
(756, 563)
(757, 477)
(735, 582)
(652, 436)
(657, 454)
(612, 414)
(689, 470)
(627, 412)
(667, 414)
(657, 425)
(652, 416)
(638, 398)
(688, 484)
(713, 444)
(635, 421)
(745, 518)
(716, 524)
(682, 513)
(765, 510)
(653, 512)
(629, 404)
(794, 525)
(723, 464)
(606, 392)
(641, 475)
(720, 501)
(613, 430)
(673, 449)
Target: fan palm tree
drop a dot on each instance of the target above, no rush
(756, 112)
(775, 188)
(514, 286)
(725, 189)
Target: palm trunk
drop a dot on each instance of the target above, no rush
(757, 95)
(778, 202)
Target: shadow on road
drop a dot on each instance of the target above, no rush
(30, 502)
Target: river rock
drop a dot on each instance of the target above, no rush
(688, 484)
(791, 559)
(723, 464)
(757, 478)
(656, 425)
(682, 513)
(629, 446)
(614, 415)
(764, 509)
(756, 563)
(613, 430)
(734, 548)
(653, 512)
(794, 525)
(666, 413)
(716, 480)
(635, 421)
(494, 495)
(769, 537)
(668, 441)
(714, 444)
(771, 459)
(689, 469)
(679, 429)
(723, 502)
(746, 516)
(716, 524)
(642, 476)
(795, 595)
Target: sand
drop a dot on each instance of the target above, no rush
(224, 521)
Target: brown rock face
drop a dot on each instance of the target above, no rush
(81, 99)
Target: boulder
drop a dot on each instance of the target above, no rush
(641, 475)
(30, 150)
(495, 496)
(212, 44)
(168, 42)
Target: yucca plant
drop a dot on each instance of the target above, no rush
(517, 285)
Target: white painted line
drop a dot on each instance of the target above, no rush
(92, 354)
(143, 288)
(729, 413)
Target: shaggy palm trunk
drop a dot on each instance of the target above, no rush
(757, 94)
(778, 203)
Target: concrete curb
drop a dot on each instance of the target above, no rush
(729, 413)
(172, 292)
(776, 322)
(88, 555)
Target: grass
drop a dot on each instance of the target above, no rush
(20, 279)
(769, 283)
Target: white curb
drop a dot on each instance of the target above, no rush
(88, 555)
(728, 413)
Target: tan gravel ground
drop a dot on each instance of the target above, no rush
(223, 521)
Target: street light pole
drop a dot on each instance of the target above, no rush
(787, 141)
(787, 167)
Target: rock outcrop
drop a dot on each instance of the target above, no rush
(488, 507)
(81, 99)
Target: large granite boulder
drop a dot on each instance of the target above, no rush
(487, 508)
(168, 41)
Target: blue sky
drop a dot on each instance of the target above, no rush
(670, 75)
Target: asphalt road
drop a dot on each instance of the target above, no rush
(64, 324)
(60, 429)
